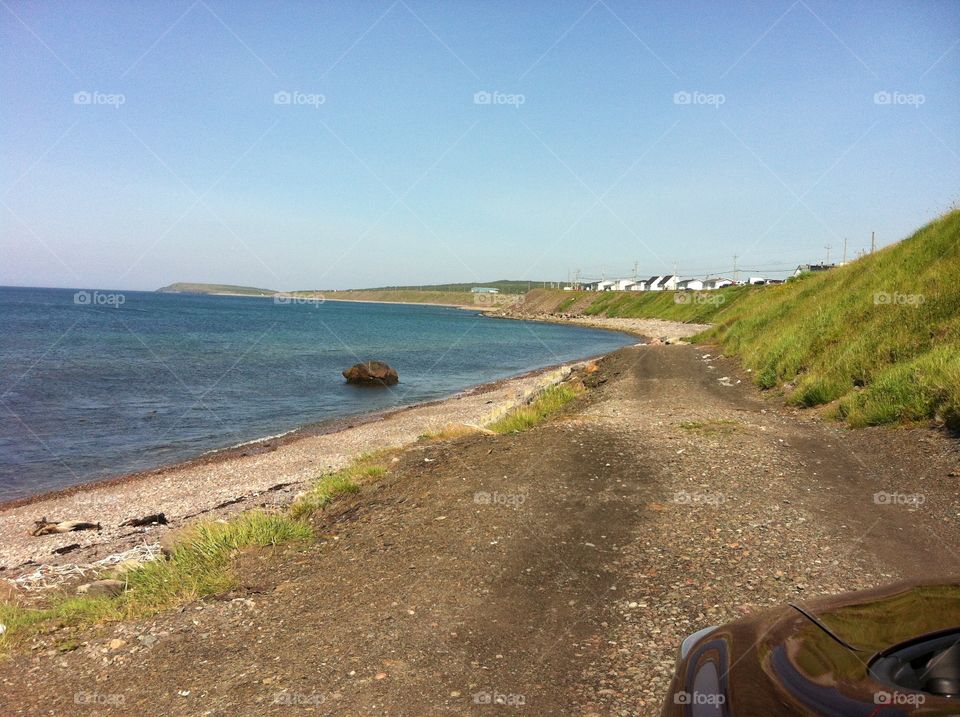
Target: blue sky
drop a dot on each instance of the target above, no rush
(657, 133)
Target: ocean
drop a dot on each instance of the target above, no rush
(99, 384)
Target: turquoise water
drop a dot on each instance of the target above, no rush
(98, 384)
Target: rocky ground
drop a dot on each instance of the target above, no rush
(653, 330)
(555, 570)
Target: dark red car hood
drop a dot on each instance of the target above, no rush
(785, 662)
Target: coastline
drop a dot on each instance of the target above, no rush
(401, 303)
(272, 442)
(266, 472)
(325, 298)
(654, 329)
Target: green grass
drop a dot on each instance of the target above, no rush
(198, 566)
(406, 296)
(698, 307)
(343, 482)
(506, 286)
(880, 336)
(547, 403)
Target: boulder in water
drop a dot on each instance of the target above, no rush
(372, 373)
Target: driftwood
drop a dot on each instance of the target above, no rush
(49, 527)
(154, 519)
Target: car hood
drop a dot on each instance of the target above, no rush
(872, 621)
(814, 657)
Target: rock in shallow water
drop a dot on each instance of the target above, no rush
(372, 373)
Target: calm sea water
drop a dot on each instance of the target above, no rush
(102, 384)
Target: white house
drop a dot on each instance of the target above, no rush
(717, 283)
(639, 286)
(662, 283)
(689, 285)
(623, 284)
(605, 285)
(808, 268)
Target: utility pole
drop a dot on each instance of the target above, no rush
(828, 253)
(844, 250)
(873, 242)
(735, 275)
(675, 268)
(635, 265)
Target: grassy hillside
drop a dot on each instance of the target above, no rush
(506, 286)
(880, 336)
(405, 296)
(688, 306)
(183, 287)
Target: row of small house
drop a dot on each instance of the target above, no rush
(661, 283)
(672, 282)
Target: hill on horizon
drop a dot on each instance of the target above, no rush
(185, 287)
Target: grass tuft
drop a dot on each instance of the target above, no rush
(343, 482)
(548, 402)
(199, 566)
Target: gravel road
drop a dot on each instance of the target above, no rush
(555, 570)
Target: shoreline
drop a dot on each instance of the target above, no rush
(653, 329)
(402, 303)
(264, 473)
(312, 429)
(272, 442)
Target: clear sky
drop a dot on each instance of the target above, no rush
(615, 132)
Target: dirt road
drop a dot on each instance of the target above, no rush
(553, 571)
